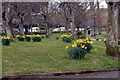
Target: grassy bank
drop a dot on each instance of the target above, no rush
(50, 55)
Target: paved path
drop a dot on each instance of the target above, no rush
(113, 74)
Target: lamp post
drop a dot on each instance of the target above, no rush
(94, 25)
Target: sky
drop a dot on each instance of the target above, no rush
(103, 4)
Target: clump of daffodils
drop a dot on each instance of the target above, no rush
(84, 44)
(6, 37)
(36, 35)
(68, 36)
(6, 40)
(28, 35)
(20, 36)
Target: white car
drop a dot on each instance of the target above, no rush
(35, 29)
(56, 29)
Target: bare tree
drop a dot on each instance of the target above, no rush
(112, 43)
(7, 19)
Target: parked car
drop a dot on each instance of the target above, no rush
(56, 30)
(35, 29)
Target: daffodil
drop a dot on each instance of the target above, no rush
(38, 35)
(85, 47)
(66, 47)
(73, 45)
(80, 41)
(8, 38)
(17, 35)
(91, 42)
(82, 46)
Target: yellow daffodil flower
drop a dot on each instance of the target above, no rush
(82, 46)
(91, 42)
(66, 47)
(85, 47)
(80, 41)
(8, 38)
(17, 35)
(73, 45)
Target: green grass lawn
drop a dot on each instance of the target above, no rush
(35, 57)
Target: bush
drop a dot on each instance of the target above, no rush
(57, 37)
(42, 36)
(67, 38)
(20, 39)
(88, 45)
(27, 39)
(64, 39)
(79, 33)
(77, 53)
(6, 41)
(79, 49)
(36, 39)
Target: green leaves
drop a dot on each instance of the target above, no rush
(77, 53)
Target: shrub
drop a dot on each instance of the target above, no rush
(28, 38)
(79, 33)
(20, 37)
(57, 37)
(36, 38)
(87, 43)
(77, 53)
(79, 49)
(67, 38)
(42, 37)
(6, 41)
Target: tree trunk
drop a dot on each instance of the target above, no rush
(67, 27)
(112, 43)
(60, 29)
(8, 30)
(48, 32)
(92, 15)
(119, 20)
(31, 31)
(21, 29)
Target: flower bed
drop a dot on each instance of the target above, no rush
(28, 38)
(67, 38)
(6, 41)
(20, 37)
(79, 49)
(36, 38)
